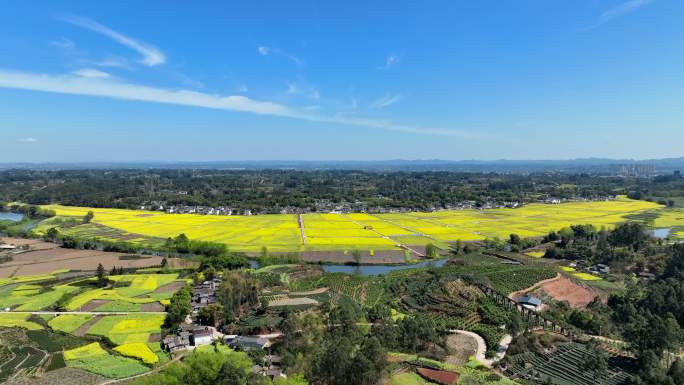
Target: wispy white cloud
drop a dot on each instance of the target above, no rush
(117, 89)
(91, 73)
(63, 43)
(27, 140)
(386, 101)
(389, 62)
(267, 51)
(113, 62)
(303, 88)
(151, 55)
(620, 10)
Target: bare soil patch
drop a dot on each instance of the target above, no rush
(6, 272)
(47, 260)
(462, 346)
(170, 287)
(320, 290)
(563, 289)
(292, 301)
(154, 337)
(83, 329)
(152, 306)
(94, 304)
(514, 295)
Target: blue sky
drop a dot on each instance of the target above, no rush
(324, 80)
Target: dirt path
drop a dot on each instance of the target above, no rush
(516, 294)
(300, 222)
(83, 329)
(401, 245)
(482, 347)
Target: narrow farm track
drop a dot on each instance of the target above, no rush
(515, 294)
(370, 228)
(300, 222)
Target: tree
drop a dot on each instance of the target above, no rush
(238, 293)
(210, 315)
(514, 239)
(178, 308)
(356, 254)
(52, 234)
(164, 263)
(101, 275)
(88, 217)
(431, 250)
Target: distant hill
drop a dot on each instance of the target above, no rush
(588, 165)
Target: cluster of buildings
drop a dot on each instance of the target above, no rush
(189, 336)
(204, 294)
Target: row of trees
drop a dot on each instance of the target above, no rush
(271, 190)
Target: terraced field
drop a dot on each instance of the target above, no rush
(129, 337)
(281, 233)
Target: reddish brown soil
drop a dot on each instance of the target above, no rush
(563, 289)
(154, 337)
(439, 376)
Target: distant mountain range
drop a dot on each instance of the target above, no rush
(588, 165)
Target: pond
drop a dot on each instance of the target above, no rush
(661, 233)
(7, 216)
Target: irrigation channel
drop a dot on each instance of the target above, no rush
(368, 270)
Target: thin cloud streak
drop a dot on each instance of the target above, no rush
(91, 73)
(266, 51)
(111, 88)
(386, 101)
(619, 11)
(27, 140)
(151, 55)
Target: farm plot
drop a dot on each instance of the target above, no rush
(563, 366)
(333, 231)
(128, 329)
(280, 232)
(32, 297)
(130, 292)
(18, 320)
(244, 233)
(94, 359)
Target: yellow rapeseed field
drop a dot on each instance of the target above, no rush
(280, 232)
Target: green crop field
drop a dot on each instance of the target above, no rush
(94, 359)
(130, 291)
(281, 232)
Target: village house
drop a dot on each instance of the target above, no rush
(530, 302)
(202, 336)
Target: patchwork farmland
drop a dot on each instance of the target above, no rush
(324, 232)
(68, 321)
